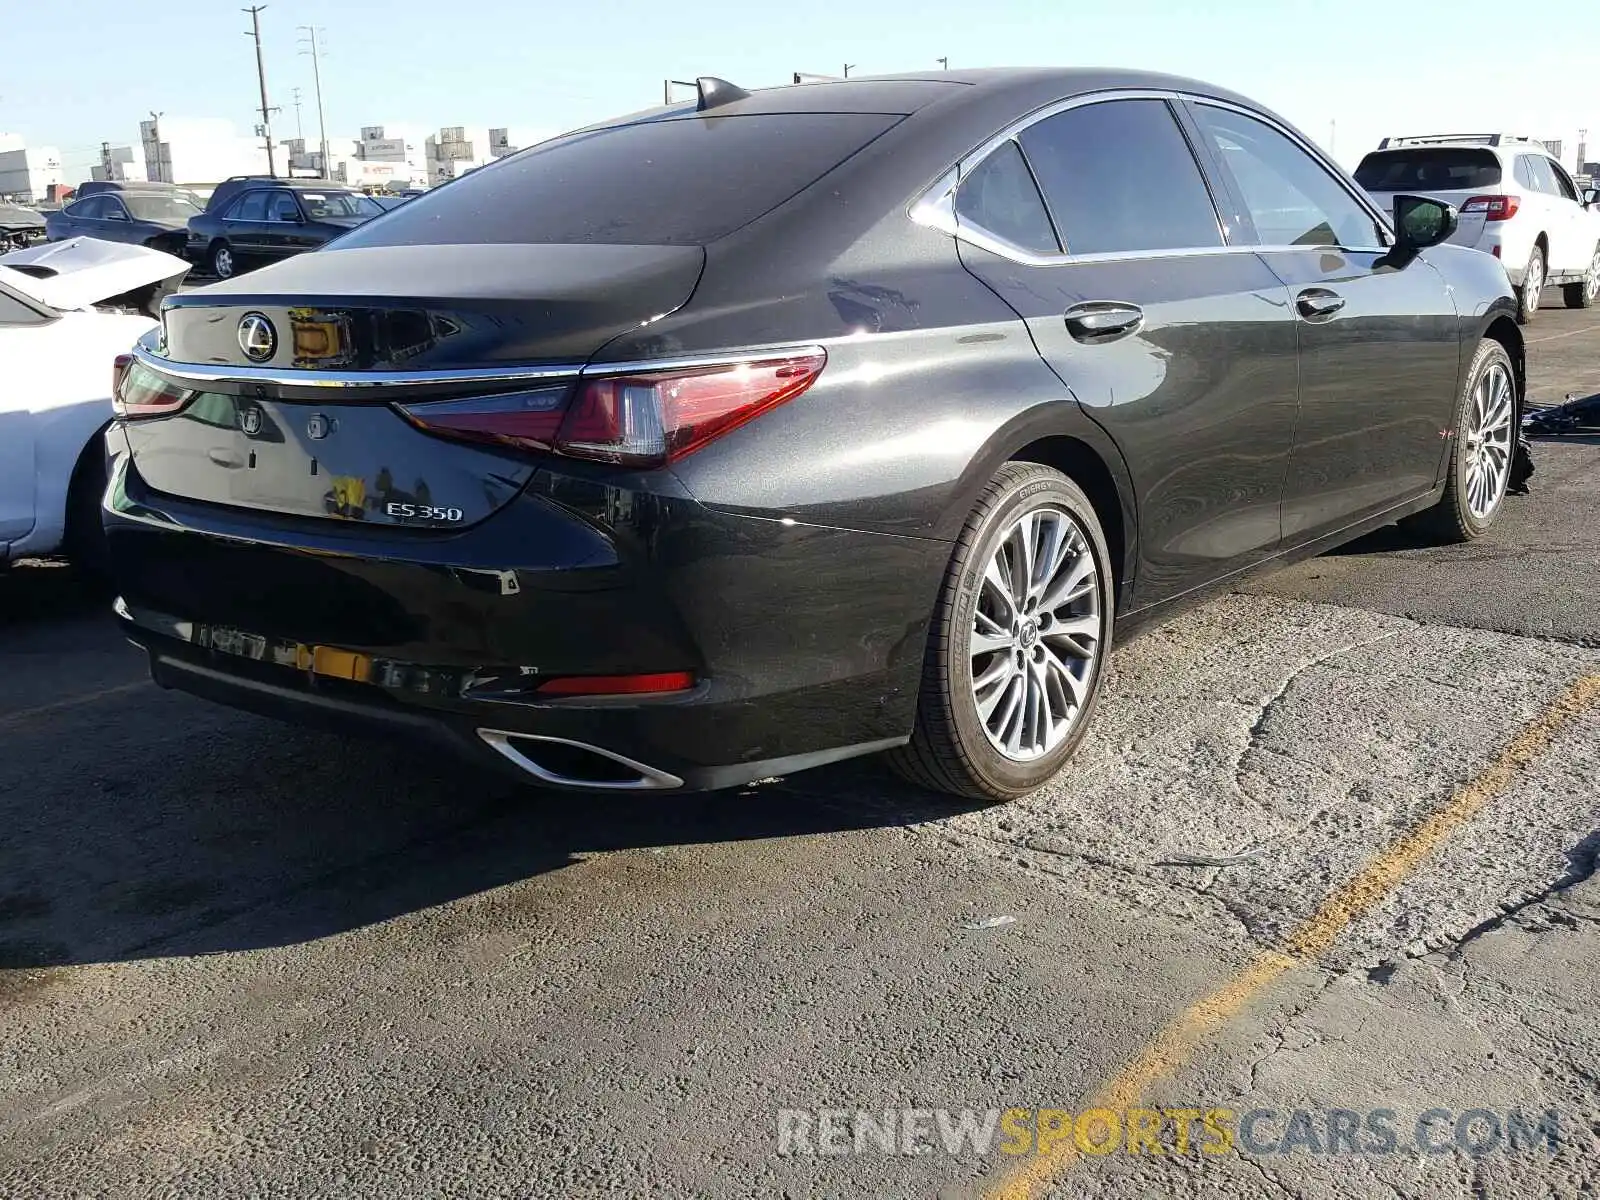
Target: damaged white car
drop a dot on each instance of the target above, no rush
(67, 310)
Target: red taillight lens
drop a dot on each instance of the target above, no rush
(618, 685)
(645, 420)
(1494, 208)
(138, 392)
(659, 417)
(526, 420)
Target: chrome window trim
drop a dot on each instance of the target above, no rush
(302, 377)
(934, 207)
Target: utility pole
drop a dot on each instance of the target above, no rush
(261, 77)
(668, 84)
(316, 79)
(848, 67)
(299, 129)
(155, 136)
(943, 62)
(1333, 135)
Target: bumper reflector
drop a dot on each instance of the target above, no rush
(618, 685)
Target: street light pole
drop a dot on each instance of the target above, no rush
(943, 62)
(848, 67)
(261, 78)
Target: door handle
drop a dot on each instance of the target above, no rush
(1096, 321)
(1318, 304)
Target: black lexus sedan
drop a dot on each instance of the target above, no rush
(252, 222)
(779, 427)
(158, 218)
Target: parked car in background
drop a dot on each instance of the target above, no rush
(251, 222)
(1515, 200)
(99, 187)
(20, 226)
(158, 219)
(784, 426)
(67, 310)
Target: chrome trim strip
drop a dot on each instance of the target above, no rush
(935, 206)
(292, 377)
(650, 779)
(713, 359)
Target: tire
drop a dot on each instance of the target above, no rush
(1585, 293)
(1532, 288)
(952, 748)
(221, 261)
(85, 541)
(1461, 513)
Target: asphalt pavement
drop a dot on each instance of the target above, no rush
(1329, 848)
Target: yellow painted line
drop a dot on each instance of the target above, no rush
(1180, 1037)
(48, 710)
(1555, 337)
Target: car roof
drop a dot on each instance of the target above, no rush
(902, 95)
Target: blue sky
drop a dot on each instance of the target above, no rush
(93, 68)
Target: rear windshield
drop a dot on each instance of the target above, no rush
(1429, 169)
(681, 182)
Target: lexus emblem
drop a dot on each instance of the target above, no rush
(250, 420)
(318, 427)
(257, 338)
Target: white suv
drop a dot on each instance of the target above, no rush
(1516, 203)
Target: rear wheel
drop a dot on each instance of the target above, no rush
(1584, 293)
(1019, 635)
(1480, 453)
(221, 260)
(1532, 287)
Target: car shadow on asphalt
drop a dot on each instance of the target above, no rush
(152, 824)
(40, 590)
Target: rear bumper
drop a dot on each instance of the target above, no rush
(805, 642)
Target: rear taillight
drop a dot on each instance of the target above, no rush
(138, 392)
(1493, 208)
(643, 419)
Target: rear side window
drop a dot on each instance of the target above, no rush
(1544, 179)
(1000, 198)
(1119, 176)
(679, 182)
(1429, 169)
(252, 206)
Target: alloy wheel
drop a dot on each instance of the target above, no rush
(1488, 440)
(222, 260)
(1533, 284)
(1591, 281)
(1037, 634)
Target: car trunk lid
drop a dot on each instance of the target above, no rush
(289, 377)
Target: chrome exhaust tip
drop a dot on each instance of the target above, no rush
(566, 763)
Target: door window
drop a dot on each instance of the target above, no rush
(1563, 181)
(1119, 177)
(87, 210)
(252, 206)
(15, 312)
(1292, 198)
(112, 210)
(282, 208)
(1000, 198)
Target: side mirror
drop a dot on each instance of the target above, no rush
(1421, 222)
(1591, 197)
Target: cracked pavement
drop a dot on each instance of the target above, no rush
(240, 959)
